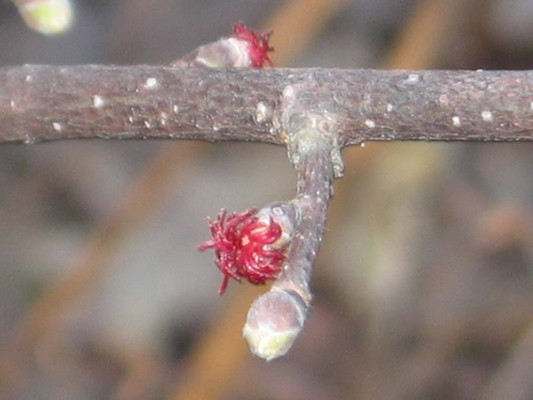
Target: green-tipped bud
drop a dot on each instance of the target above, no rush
(274, 321)
(49, 17)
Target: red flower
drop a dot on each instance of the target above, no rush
(245, 247)
(258, 44)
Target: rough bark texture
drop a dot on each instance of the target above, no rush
(42, 103)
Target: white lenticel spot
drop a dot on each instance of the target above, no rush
(261, 112)
(531, 105)
(12, 104)
(147, 124)
(456, 121)
(443, 99)
(57, 126)
(277, 211)
(363, 144)
(28, 78)
(150, 83)
(389, 107)
(98, 101)
(486, 116)
(413, 78)
(370, 123)
(175, 108)
(288, 91)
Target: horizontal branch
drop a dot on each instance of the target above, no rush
(43, 103)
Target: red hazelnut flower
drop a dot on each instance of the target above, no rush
(243, 49)
(247, 245)
(258, 46)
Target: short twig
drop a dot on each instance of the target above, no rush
(276, 318)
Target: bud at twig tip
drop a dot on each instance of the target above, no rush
(274, 321)
(48, 17)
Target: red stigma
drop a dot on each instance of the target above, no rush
(242, 247)
(258, 44)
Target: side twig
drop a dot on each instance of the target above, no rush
(276, 318)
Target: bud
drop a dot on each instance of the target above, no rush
(251, 244)
(49, 17)
(244, 49)
(274, 321)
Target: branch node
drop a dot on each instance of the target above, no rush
(308, 131)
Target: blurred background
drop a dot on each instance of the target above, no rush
(423, 286)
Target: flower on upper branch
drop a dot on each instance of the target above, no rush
(244, 49)
(258, 46)
(251, 244)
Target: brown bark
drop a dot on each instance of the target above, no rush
(43, 103)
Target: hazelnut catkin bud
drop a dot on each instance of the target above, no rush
(245, 48)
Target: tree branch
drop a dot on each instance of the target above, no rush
(313, 112)
(43, 103)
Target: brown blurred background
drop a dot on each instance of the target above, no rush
(423, 287)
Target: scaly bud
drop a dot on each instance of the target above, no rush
(274, 321)
(49, 17)
(245, 48)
